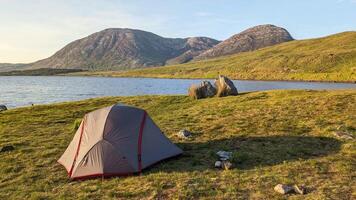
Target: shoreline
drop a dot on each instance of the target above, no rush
(190, 78)
(187, 78)
(167, 95)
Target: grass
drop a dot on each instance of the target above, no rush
(331, 58)
(276, 137)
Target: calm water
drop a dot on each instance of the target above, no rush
(23, 90)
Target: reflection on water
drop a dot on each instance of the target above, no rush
(24, 90)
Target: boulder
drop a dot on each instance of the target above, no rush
(7, 148)
(203, 90)
(184, 134)
(283, 189)
(225, 87)
(3, 108)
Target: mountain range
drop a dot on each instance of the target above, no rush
(330, 58)
(122, 48)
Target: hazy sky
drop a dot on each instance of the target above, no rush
(35, 29)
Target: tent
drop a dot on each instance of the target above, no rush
(116, 140)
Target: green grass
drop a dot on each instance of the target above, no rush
(276, 137)
(332, 58)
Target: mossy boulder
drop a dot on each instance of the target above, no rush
(203, 90)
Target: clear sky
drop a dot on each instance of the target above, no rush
(35, 29)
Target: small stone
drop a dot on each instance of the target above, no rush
(3, 108)
(226, 165)
(283, 189)
(218, 164)
(343, 135)
(184, 134)
(224, 155)
(7, 148)
(299, 189)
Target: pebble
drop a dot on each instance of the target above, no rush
(283, 189)
(184, 134)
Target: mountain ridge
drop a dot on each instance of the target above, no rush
(330, 58)
(122, 48)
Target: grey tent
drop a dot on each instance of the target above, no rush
(116, 140)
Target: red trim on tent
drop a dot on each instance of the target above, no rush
(76, 154)
(102, 175)
(139, 151)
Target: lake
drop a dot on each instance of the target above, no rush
(18, 91)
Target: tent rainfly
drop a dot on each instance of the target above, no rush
(116, 140)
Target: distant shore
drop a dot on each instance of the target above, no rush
(160, 72)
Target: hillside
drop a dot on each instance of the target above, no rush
(270, 146)
(331, 58)
(116, 48)
(249, 40)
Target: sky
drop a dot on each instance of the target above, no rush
(35, 29)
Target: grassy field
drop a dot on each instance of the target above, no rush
(276, 137)
(332, 58)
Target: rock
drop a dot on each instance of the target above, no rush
(225, 87)
(299, 189)
(343, 135)
(7, 148)
(283, 189)
(184, 134)
(224, 155)
(3, 108)
(218, 164)
(226, 165)
(204, 90)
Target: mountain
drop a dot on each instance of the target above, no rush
(331, 58)
(251, 39)
(118, 48)
(122, 48)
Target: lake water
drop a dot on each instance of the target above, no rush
(24, 90)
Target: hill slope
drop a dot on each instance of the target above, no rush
(331, 58)
(249, 40)
(270, 146)
(123, 48)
